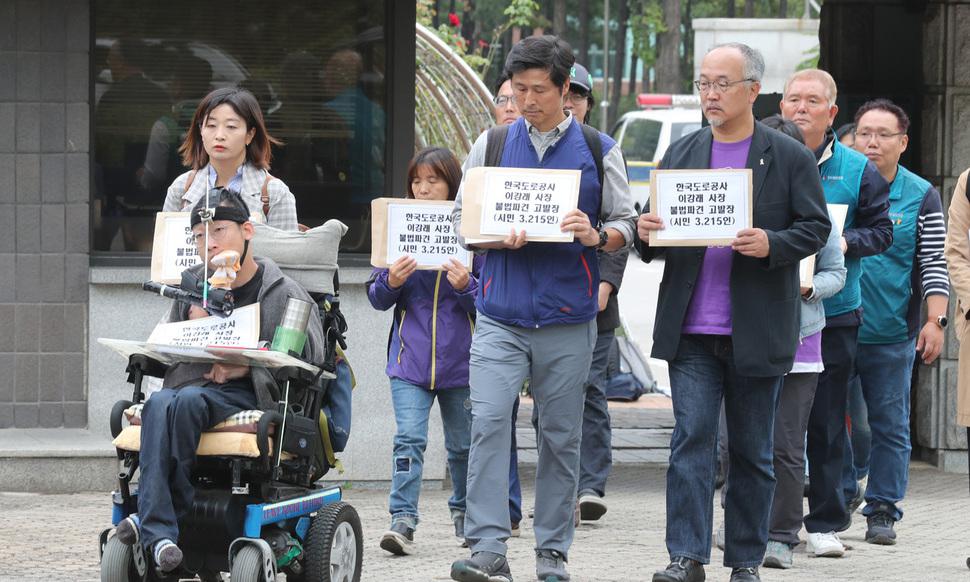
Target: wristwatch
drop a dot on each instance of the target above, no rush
(942, 321)
(604, 239)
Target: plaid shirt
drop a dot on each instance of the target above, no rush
(282, 204)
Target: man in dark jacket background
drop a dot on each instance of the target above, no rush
(728, 320)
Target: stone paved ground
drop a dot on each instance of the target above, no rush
(54, 537)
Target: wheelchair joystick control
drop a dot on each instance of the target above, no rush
(290, 336)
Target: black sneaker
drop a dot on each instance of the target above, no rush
(459, 520)
(551, 566)
(591, 505)
(482, 567)
(745, 575)
(880, 529)
(681, 569)
(399, 540)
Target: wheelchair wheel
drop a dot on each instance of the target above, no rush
(334, 549)
(118, 563)
(247, 565)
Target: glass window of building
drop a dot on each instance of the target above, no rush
(316, 67)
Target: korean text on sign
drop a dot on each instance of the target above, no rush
(423, 232)
(707, 206)
(535, 203)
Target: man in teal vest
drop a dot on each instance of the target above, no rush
(893, 287)
(849, 179)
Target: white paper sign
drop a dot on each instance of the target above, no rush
(704, 206)
(241, 330)
(533, 202)
(423, 232)
(173, 249)
(838, 214)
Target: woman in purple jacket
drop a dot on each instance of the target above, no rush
(427, 358)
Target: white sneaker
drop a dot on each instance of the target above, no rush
(825, 545)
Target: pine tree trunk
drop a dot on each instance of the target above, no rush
(632, 90)
(782, 8)
(749, 8)
(730, 8)
(668, 54)
(559, 18)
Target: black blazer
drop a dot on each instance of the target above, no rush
(789, 204)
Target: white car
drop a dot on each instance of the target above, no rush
(644, 137)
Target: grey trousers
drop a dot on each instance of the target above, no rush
(556, 358)
(791, 422)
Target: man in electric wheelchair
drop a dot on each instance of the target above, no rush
(221, 498)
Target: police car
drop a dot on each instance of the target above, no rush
(645, 135)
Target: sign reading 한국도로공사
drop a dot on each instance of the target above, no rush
(420, 229)
(700, 207)
(533, 201)
(173, 249)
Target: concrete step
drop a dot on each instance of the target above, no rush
(56, 460)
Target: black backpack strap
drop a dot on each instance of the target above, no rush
(595, 145)
(495, 145)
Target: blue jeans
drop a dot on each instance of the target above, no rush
(412, 407)
(858, 442)
(172, 424)
(700, 376)
(886, 371)
(595, 452)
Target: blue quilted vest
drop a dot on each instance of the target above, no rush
(841, 178)
(546, 283)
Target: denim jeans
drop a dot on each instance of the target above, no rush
(700, 376)
(886, 371)
(412, 407)
(595, 451)
(172, 425)
(858, 442)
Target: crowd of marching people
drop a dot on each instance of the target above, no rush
(782, 375)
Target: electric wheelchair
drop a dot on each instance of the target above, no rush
(258, 510)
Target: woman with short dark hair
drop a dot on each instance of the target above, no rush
(228, 146)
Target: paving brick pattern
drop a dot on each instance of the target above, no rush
(54, 537)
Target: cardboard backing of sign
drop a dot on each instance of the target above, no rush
(747, 219)
(806, 268)
(165, 259)
(379, 231)
(473, 192)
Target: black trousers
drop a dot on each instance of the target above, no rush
(826, 431)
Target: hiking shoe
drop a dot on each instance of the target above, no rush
(551, 566)
(516, 530)
(778, 555)
(168, 556)
(459, 520)
(482, 567)
(880, 530)
(591, 506)
(399, 540)
(745, 575)
(825, 545)
(681, 569)
(719, 537)
(127, 530)
(859, 497)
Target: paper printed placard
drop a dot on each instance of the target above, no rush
(421, 229)
(173, 249)
(497, 200)
(700, 207)
(241, 330)
(806, 268)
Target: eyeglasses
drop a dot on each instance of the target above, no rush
(501, 100)
(868, 136)
(576, 98)
(721, 86)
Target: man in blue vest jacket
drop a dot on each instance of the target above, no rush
(894, 284)
(537, 306)
(849, 179)
(728, 320)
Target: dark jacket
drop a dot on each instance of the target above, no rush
(612, 266)
(275, 290)
(431, 335)
(790, 206)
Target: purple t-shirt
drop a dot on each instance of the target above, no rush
(709, 311)
(808, 357)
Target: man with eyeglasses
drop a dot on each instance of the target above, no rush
(728, 320)
(506, 111)
(849, 179)
(894, 284)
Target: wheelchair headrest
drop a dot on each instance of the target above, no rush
(309, 258)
